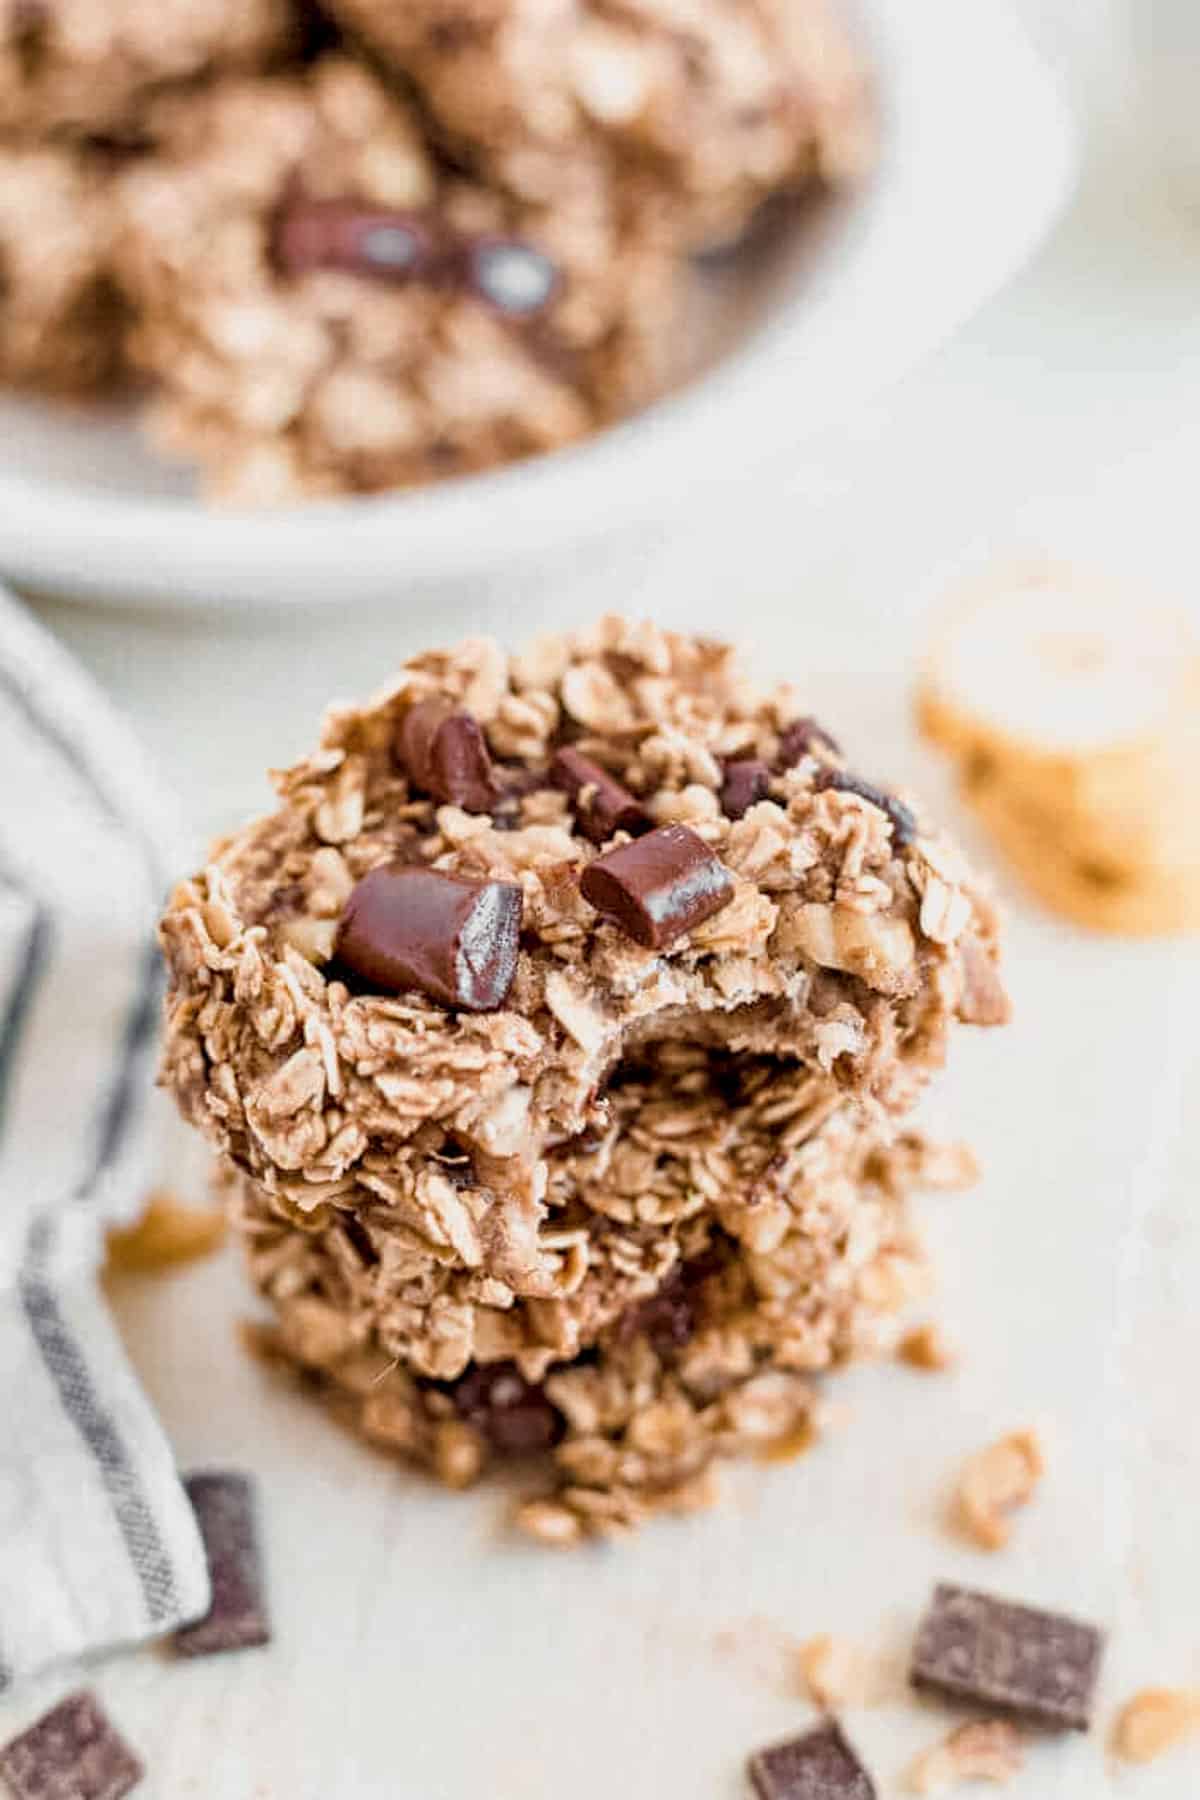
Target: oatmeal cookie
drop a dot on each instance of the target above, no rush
(87, 66)
(713, 107)
(558, 980)
(62, 325)
(327, 309)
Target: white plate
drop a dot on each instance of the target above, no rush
(978, 157)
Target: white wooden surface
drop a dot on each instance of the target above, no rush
(418, 1655)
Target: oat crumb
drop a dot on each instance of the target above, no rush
(1154, 1721)
(550, 1523)
(994, 1482)
(925, 1347)
(835, 1672)
(168, 1232)
(982, 1750)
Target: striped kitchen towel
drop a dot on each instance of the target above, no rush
(98, 1545)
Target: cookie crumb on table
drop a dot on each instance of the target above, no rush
(993, 1483)
(1154, 1721)
(836, 1672)
(982, 1750)
(167, 1232)
(926, 1347)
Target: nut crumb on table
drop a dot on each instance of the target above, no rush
(1154, 1721)
(167, 1232)
(996, 1481)
(981, 1750)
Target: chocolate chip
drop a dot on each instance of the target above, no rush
(667, 1319)
(444, 751)
(71, 1753)
(800, 738)
(818, 1766)
(660, 886)
(514, 1416)
(602, 805)
(224, 1506)
(746, 782)
(902, 820)
(340, 234)
(445, 935)
(517, 279)
(1036, 1666)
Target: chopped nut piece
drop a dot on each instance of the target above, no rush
(167, 1232)
(1154, 1721)
(994, 1482)
(925, 1347)
(983, 1750)
(835, 1672)
(551, 1524)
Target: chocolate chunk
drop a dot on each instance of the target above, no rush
(72, 1753)
(667, 1319)
(445, 753)
(445, 935)
(818, 1766)
(514, 1416)
(514, 277)
(659, 886)
(800, 738)
(340, 234)
(1036, 1666)
(902, 820)
(237, 1619)
(602, 805)
(746, 782)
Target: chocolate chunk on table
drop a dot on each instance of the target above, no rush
(659, 886)
(901, 818)
(1037, 1666)
(72, 1753)
(237, 1619)
(818, 1766)
(602, 805)
(443, 749)
(746, 782)
(452, 938)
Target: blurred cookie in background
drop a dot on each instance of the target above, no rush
(75, 66)
(328, 309)
(62, 323)
(713, 108)
(1073, 712)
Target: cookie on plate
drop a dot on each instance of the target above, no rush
(87, 66)
(713, 108)
(62, 323)
(329, 310)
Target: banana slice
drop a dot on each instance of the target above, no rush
(1073, 712)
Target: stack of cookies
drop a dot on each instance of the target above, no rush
(557, 1033)
(453, 237)
(1072, 709)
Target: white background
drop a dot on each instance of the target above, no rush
(415, 1657)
